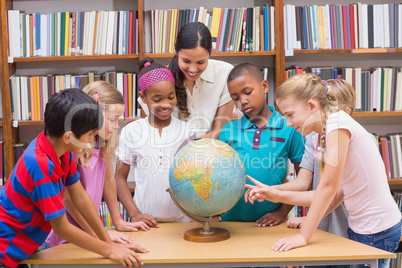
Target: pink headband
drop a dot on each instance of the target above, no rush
(155, 76)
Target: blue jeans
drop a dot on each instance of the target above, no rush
(386, 240)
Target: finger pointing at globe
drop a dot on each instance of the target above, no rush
(260, 192)
(254, 192)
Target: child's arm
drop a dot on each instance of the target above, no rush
(85, 206)
(297, 222)
(261, 192)
(68, 204)
(124, 254)
(337, 148)
(110, 196)
(301, 183)
(124, 194)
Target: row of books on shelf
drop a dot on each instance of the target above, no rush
(105, 214)
(72, 33)
(232, 29)
(343, 26)
(377, 89)
(30, 94)
(390, 147)
(298, 211)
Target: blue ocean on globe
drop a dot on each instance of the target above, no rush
(207, 177)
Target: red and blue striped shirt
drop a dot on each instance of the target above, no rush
(31, 197)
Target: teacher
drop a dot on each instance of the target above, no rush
(203, 98)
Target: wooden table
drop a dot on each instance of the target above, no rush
(247, 246)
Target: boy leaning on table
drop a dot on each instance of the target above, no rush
(31, 202)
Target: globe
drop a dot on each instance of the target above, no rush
(207, 178)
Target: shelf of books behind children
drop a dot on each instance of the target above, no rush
(233, 29)
(378, 90)
(352, 26)
(73, 34)
(55, 34)
(29, 94)
(390, 147)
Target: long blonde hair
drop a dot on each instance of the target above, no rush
(107, 96)
(304, 87)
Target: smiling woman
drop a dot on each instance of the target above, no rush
(201, 83)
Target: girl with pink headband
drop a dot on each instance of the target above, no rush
(148, 145)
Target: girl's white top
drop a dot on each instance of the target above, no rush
(150, 156)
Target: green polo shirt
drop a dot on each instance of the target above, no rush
(265, 152)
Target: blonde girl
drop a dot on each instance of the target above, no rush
(351, 169)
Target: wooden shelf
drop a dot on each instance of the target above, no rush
(31, 123)
(74, 58)
(376, 114)
(322, 51)
(395, 181)
(41, 122)
(218, 54)
(347, 51)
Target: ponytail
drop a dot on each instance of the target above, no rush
(330, 108)
(181, 93)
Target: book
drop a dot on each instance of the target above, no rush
(19, 150)
(216, 17)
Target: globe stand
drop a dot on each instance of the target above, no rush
(206, 233)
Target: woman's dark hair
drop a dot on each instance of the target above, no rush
(144, 69)
(72, 110)
(190, 36)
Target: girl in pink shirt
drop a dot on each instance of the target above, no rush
(351, 169)
(95, 168)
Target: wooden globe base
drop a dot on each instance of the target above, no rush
(216, 235)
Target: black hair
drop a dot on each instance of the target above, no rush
(190, 36)
(245, 69)
(72, 110)
(153, 65)
(144, 69)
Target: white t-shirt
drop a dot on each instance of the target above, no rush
(367, 196)
(150, 155)
(209, 93)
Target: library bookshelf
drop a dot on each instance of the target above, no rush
(9, 66)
